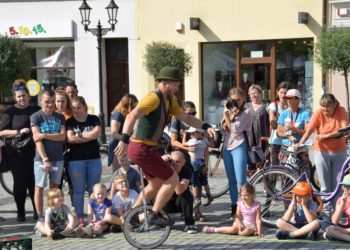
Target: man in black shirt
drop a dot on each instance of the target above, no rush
(182, 200)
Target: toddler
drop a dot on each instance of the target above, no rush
(59, 221)
(248, 216)
(198, 161)
(100, 212)
(304, 211)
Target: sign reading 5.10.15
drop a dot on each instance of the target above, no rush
(26, 31)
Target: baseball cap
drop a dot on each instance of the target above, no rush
(293, 93)
(346, 180)
(192, 129)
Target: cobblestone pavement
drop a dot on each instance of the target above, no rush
(217, 214)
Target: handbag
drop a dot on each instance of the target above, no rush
(255, 153)
(18, 143)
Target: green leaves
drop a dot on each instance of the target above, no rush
(160, 54)
(15, 62)
(332, 51)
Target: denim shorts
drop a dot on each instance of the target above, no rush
(41, 175)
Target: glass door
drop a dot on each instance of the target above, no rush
(259, 74)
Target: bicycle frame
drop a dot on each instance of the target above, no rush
(144, 201)
(326, 197)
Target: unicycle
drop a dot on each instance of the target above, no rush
(137, 230)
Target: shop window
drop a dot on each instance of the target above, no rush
(219, 76)
(294, 63)
(54, 62)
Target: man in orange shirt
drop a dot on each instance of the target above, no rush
(329, 149)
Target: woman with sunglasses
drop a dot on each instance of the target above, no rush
(236, 120)
(16, 121)
(292, 122)
(329, 148)
(121, 110)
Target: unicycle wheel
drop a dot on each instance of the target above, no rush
(139, 234)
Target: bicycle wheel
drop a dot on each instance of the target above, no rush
(140, 235)
(6, 180)
(217, 177)
(268, 183)
(106, 170)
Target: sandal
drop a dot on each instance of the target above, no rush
(200, 217)
(208, 229)
(209, 201)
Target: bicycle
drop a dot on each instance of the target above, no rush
(137, 230)
(273, 184)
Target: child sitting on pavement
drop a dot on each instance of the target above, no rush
(59, 220)
(198, 161)
(248, 216)
(132, 175)
(304, 211)
(125, 198)
(337, 231)
(100, 212)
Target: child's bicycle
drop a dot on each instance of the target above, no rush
(273, 185)
(137, 230)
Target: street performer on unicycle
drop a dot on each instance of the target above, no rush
(148, 120)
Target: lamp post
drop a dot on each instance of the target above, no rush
(112, 10)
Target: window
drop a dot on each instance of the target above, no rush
(294, 64)
(54, 62)
(219, 76)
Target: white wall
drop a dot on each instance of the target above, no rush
(86, 56)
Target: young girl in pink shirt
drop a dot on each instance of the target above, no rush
(248, 216)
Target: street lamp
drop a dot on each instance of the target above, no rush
(112, 10)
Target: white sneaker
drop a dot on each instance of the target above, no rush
(191, 229)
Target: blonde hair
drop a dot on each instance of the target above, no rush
(238, 92)
(60, 91)
(255, 87)
(249, 188)
(53, 193)
(96, 188)
(329, 100)
(126, 104)
(120, 177)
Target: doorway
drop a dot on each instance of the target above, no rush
(259, 74)
(117, 68)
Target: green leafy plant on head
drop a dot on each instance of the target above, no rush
(160, 54)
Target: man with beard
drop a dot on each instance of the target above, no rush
(148, 119)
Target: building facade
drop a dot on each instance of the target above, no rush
(236, 43)
(232, 43)
(62, 51)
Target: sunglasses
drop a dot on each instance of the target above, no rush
(19, 87)
(192, 113)
(346, 186)
(123, 182)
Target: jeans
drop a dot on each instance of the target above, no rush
(84, 175)
(235, 162)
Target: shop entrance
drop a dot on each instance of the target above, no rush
(257, 73)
